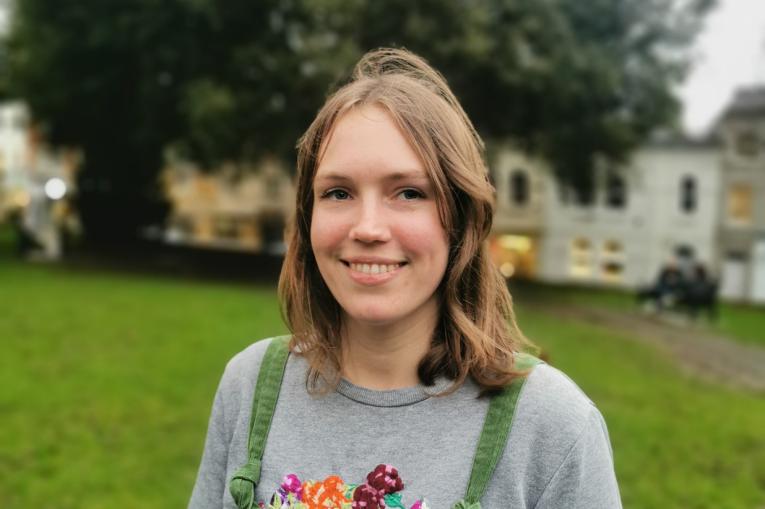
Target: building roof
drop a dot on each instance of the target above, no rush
(747, 102)
(678, 140)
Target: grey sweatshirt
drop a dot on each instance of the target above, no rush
(557, 454)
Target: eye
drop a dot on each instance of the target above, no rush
(411, 194)
(336, 194)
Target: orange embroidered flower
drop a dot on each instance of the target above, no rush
(327, 494)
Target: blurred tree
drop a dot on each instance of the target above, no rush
(217, 81)
(575, 81)
(104, 76)
(267, 67)
(237, 80)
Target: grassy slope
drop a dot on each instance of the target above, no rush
(106, 383)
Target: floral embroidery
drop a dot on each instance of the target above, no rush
(380, 491)
(321, 495)
(291, 484)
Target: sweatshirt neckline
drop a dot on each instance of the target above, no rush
(393, 397)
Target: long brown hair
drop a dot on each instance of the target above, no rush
(476, 334)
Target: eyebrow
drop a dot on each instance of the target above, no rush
(392, 177)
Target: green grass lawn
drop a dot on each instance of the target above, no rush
(106, 382)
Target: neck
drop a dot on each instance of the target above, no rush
(386, 356)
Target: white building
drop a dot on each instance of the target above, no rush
(523, 189)
(742, 214)
(664, 205)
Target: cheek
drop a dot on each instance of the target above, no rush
(326, 232)
(426, 237)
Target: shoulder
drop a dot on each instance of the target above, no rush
(242, 370)
(557, 439)
(549, 398)
(552, 416)
(248, 360)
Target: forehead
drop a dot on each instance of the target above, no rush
(367, 140)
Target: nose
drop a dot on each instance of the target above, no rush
(371, 223)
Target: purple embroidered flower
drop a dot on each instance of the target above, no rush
(277, 497)
(367, 497)
(385, 479)
(290, 484)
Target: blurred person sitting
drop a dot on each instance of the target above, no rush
(700, 293)
(668, 289)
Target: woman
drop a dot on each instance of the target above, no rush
(402, 386)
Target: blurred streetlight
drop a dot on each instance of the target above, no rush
(55, 188)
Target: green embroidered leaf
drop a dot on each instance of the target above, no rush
(393, 500)
(349, 491)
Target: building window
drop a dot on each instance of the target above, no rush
(519, 187)
(612, 261)
(581, 258)
(688, 194)
(684, 251)
(514, 255)
(747, 144)
(616, 192)
(740, 204)
(613, 248)
(226, 227)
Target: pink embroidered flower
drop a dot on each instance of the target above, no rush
(367, 497)
(291, 484)
(385, 479)
(417, 505)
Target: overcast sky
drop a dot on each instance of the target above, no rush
(730, 53)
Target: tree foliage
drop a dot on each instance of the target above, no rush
(234, 80)
(577, 82)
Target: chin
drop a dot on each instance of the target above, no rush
(373, 316)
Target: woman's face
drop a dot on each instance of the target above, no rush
(375, 231)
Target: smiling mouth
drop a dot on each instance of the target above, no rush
(373, 268)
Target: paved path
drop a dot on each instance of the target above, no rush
(710, 356)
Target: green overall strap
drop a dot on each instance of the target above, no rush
(496, 429)
(244, 481)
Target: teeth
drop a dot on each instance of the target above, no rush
(374, 268)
